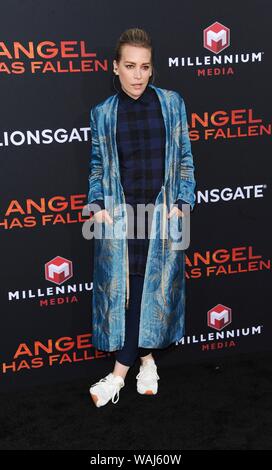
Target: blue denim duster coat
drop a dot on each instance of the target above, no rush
(163, 297)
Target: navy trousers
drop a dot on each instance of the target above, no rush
(130, 351)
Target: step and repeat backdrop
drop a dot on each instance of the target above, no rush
(56, 63)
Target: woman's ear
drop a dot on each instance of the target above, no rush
(114, 66)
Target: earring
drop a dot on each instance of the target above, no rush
(153, 79)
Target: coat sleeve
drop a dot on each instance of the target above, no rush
(99, 205)
(187, 179)
(95, 166)
(179, 202)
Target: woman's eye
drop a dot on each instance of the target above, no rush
(146, 67)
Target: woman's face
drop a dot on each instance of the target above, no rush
(134, 69)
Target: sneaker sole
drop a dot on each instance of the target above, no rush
(94, 399)
(147, 392)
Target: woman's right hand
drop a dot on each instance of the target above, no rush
(103, 216)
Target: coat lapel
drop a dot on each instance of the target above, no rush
(164, 98)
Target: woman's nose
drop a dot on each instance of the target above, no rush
(137, 73)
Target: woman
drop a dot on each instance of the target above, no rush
(141, 154)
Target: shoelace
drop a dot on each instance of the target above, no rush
(146, 369)
(116, 391)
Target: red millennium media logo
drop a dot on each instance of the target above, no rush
(216, 37)
(219, 317)
(58, 270)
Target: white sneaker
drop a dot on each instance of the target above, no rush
(106, 389)
(147, 378)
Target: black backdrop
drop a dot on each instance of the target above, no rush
(46, 97)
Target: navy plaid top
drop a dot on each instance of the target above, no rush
(141, 146)
(140, 138)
